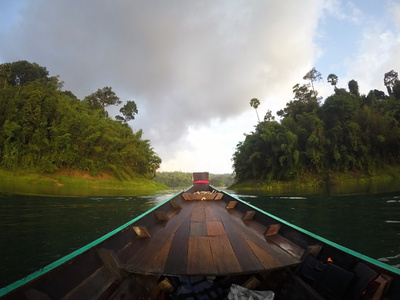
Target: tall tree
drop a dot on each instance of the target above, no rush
(389, 80)
(255, 103)
(102, 98)
(129, 110)
(332, 79)
(314, 76)
(353, 87)
(268, 116)
(22, 72)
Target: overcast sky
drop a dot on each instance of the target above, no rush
(193, 66)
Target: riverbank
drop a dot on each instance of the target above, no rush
(75, 183)
(335, 183)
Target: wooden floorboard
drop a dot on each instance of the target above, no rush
(211, 214)
(178, 255)
(215, 228)
(146, 253)
(205, 238)
(200, 259)
(288, 246)
(198, 213)
(223, 255)
(263, 256)
(198, 229)
(157, 263)
(245, 256)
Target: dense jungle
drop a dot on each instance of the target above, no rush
(45, 129)
(345, 133)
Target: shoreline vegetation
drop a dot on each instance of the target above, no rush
(75, 184)
(334, 183)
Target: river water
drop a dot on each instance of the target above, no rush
(37, 230)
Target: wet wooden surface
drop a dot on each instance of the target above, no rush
(206, 238)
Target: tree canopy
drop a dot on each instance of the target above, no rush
(45, 129)
(178, 179)
(345, 132)
(254, 102)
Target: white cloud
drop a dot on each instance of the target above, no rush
(186, 64)
(394, 10)
(378, 54)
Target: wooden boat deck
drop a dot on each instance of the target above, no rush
(207, 238)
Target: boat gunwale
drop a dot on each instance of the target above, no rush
(42, 271)
(321, 239)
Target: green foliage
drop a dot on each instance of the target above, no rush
(390, 80)
(102, 98)
(45, 129)
(180, 179)
(348, 132)
(254, 102)
(129, 110)
(176, 179)
(332, 79)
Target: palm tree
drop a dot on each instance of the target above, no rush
(255, 103)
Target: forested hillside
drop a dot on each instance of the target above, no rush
(344, 132)
(180, 179)
(45, 129)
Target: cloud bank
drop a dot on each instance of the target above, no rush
(192, 67)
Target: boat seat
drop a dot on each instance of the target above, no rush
(330, 280)
(364, 275)
(310, 270)
(334, 282)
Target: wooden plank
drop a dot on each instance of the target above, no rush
(175, 205)
(215, 228)
(245, 256)
(112, 263)
(231, 204)
(218, 196)
(248, 215)
(92, 287)
(252, 283)
(187, 196)
(198, 213)
(224, 256)
(272, 229)
(178, 254)
(141, 231)
(198, 229)
(286, 245)
(126, 253)
(166, 285)
(246, 230)
(264, 257)
(211, 214)
(172, 212)
(200, 259)
(151, 258)
(161, 215)
(157, 263)
(137, 263)
(259, 228)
